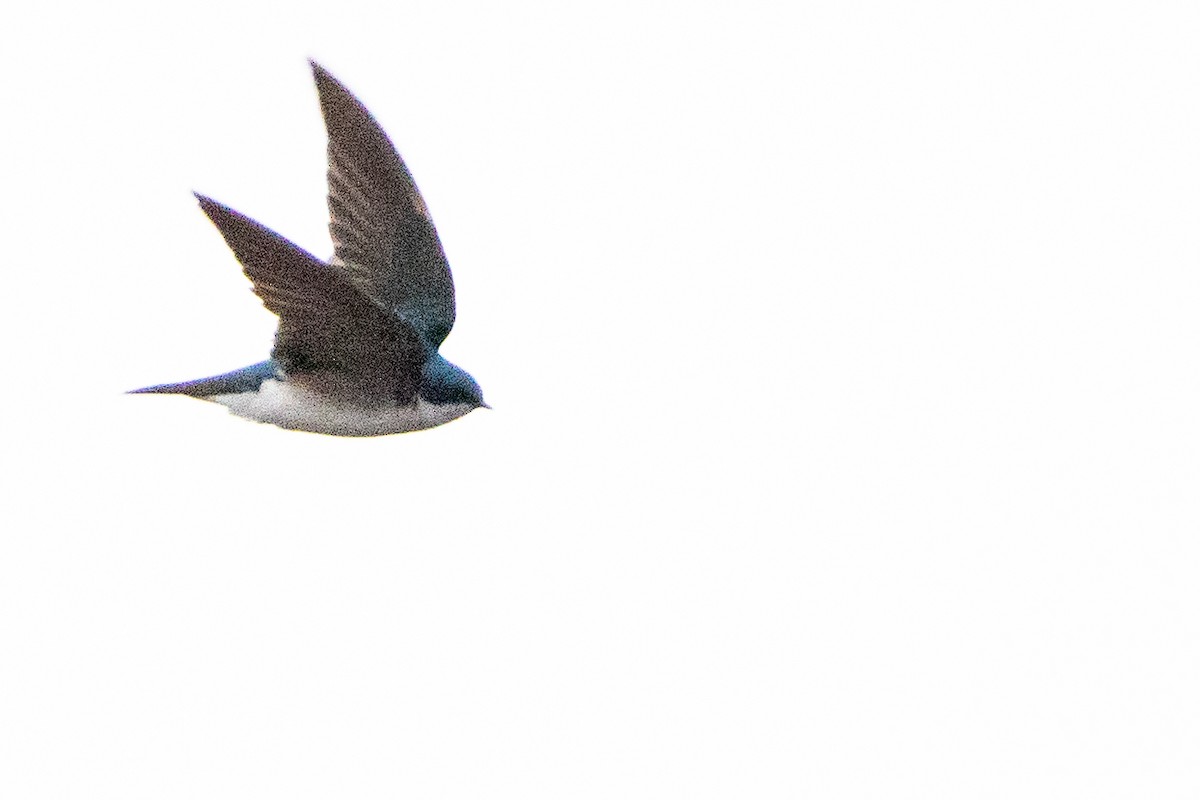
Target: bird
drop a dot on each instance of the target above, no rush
(356, 350)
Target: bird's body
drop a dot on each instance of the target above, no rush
(356, 352)
(291, 405)
(262, 393)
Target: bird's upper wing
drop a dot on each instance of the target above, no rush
(382, 234)
(329, 331)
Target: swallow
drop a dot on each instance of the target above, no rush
(356, 350)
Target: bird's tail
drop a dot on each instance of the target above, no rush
(246, 379)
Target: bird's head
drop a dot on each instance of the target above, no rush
(443, 383)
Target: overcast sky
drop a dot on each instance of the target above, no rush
(845, 359)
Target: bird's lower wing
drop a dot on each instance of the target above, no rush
(328, 328)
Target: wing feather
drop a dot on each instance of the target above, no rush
(329, 331)
(382, 234)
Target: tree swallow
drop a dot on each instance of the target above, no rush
(356, 351)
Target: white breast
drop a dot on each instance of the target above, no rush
(293, 407)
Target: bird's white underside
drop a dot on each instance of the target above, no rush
(296, 408)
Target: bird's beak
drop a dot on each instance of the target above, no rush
(485, 405)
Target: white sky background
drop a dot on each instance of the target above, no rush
(845, 360)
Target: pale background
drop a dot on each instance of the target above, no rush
(846, 367)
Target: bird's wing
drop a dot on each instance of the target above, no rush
(382, 234)
(329, 331)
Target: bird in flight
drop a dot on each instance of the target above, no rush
(356, 351)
